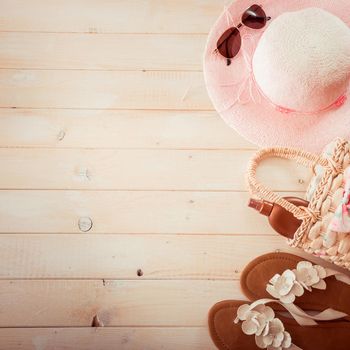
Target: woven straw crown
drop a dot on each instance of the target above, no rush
(302, 61)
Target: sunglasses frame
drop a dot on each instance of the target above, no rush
(235, 29)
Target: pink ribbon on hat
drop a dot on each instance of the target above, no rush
(337, 103)
(249, 91)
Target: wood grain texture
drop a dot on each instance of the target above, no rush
(121, 256)
(122, 192)
(102, 51)
(73, 303)
(132, 212)
(64, 128)
(141, 169)
(103, 89)
(104, 16)
(106, 338)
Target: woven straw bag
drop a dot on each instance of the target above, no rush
(325, 227)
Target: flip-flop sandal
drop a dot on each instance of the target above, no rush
(235, 325)
(296, 282)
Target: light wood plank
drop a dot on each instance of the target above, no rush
(129, 212)
(103, 16)
(121, 256)
(107, 338)
(59, 76)
(112, 129)
(141, 170)
(58, 303)
(102, 51)
(103, 89)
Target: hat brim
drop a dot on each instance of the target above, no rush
(257, 119)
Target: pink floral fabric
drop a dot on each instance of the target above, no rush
(341, 220)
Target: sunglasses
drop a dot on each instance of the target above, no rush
(230, 41)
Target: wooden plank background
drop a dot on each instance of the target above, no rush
(122, 192)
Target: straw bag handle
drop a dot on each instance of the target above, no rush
(305, 158)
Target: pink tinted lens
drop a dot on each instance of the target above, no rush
(229, 43)
(254, 17)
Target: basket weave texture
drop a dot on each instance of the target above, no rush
(325, 193)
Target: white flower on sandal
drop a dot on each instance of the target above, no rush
(292, 283)
(259, 319)
(309, 275)
(285, 287)
(269, 331)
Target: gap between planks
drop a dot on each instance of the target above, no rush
(102, 16)
(127, 303)
(110, 129)
(102, 52)
(161, 170)
(148, 257)
(129, 212)
(98, 89)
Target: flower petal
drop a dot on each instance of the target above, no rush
(278, 339)
(289, 274)
(302, 275)
(259, 341)
(268, 339)
(269, 313)
(284, 285)
(274, 279)
(312, 277)
(266, 329)
(249, 327)
(288, 299)
(297, 289)
(308, 288)
(251, 315)
(304, 265)
(260, 308)
(272, 291)
(255, 321)
(287, 341)
(322, 273)
(320, 285)
(276, 326)
(242, 311)
(260, 329)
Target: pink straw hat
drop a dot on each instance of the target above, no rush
(287, 84)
